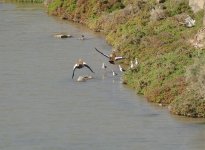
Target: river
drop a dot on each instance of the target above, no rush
(43, 108)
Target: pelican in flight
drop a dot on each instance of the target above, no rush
(80, 64)
(112, 57)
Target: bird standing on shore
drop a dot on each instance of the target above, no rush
(80, 64)
(133, 65)
(112, 57)
(121, 69)
(114, 73)
(136, 62)
(104, 66)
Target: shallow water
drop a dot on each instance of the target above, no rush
(42, 108)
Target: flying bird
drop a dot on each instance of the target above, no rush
(112, 57)
(80, 64)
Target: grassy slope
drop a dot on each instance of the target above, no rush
(162, 46)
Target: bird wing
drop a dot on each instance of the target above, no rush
(119, 58)
(74, 67)
(89, 68)
(102, 53)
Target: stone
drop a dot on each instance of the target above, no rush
(189, 22)
(196, 5)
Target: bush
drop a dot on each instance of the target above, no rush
(52, 7)
(192, 102)
(195, 76)
(177, 7)
(188, 104)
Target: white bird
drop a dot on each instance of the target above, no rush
(104, 66)
(121, 69)
(131, 64)
(136, 62)
(114, 73)
(80, 64)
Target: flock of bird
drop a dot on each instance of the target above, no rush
(112, 58)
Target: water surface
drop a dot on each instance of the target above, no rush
(42, 108)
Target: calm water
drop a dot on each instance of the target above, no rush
(42, 108)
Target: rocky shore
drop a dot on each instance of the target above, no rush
(167, 37)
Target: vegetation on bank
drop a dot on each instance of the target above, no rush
(171, 71)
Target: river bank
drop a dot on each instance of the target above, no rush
(169, 70)
(43, 108)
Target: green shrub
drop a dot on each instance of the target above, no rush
(116, 6)
(54, 5)
(177, 7)
(188, 104)
(70, 5)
